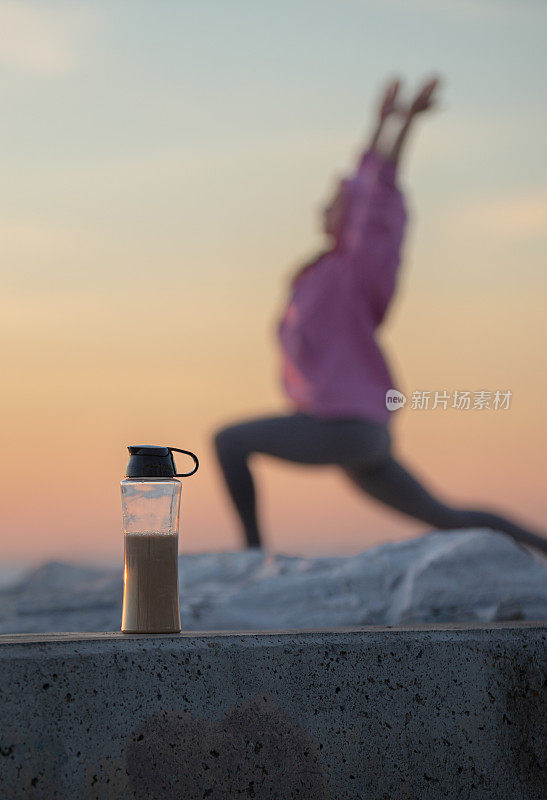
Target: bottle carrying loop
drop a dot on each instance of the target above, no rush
(193, 456)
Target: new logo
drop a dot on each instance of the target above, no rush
(394, 400)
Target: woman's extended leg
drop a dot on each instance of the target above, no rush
(299, 438)
(390, 483)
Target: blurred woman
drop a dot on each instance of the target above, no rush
(333, 368)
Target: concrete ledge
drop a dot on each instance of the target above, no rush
(371, 714)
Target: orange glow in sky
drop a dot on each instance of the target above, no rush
(162, 177)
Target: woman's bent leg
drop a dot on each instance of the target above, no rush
(393, 485)
(299, 438)
(233, 454)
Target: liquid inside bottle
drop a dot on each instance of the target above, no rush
(150, 519)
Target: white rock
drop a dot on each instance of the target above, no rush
(475, 575)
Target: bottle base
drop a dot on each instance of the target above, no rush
(156, 630)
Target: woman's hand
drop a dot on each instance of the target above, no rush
(424, 99)
(388, 103)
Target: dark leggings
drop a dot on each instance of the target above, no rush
(362, 449)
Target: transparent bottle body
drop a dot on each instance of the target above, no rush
(150, 510)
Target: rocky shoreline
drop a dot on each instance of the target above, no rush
(475, 576)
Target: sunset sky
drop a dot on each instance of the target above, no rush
(163, 165)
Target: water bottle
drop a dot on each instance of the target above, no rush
(151, 504)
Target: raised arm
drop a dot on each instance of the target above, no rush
(424, 100)
(388, 106)
(376, 220)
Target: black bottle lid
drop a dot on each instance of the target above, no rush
(149, 461)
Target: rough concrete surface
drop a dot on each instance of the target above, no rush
(369, 714)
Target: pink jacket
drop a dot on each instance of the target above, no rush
(332, 364)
